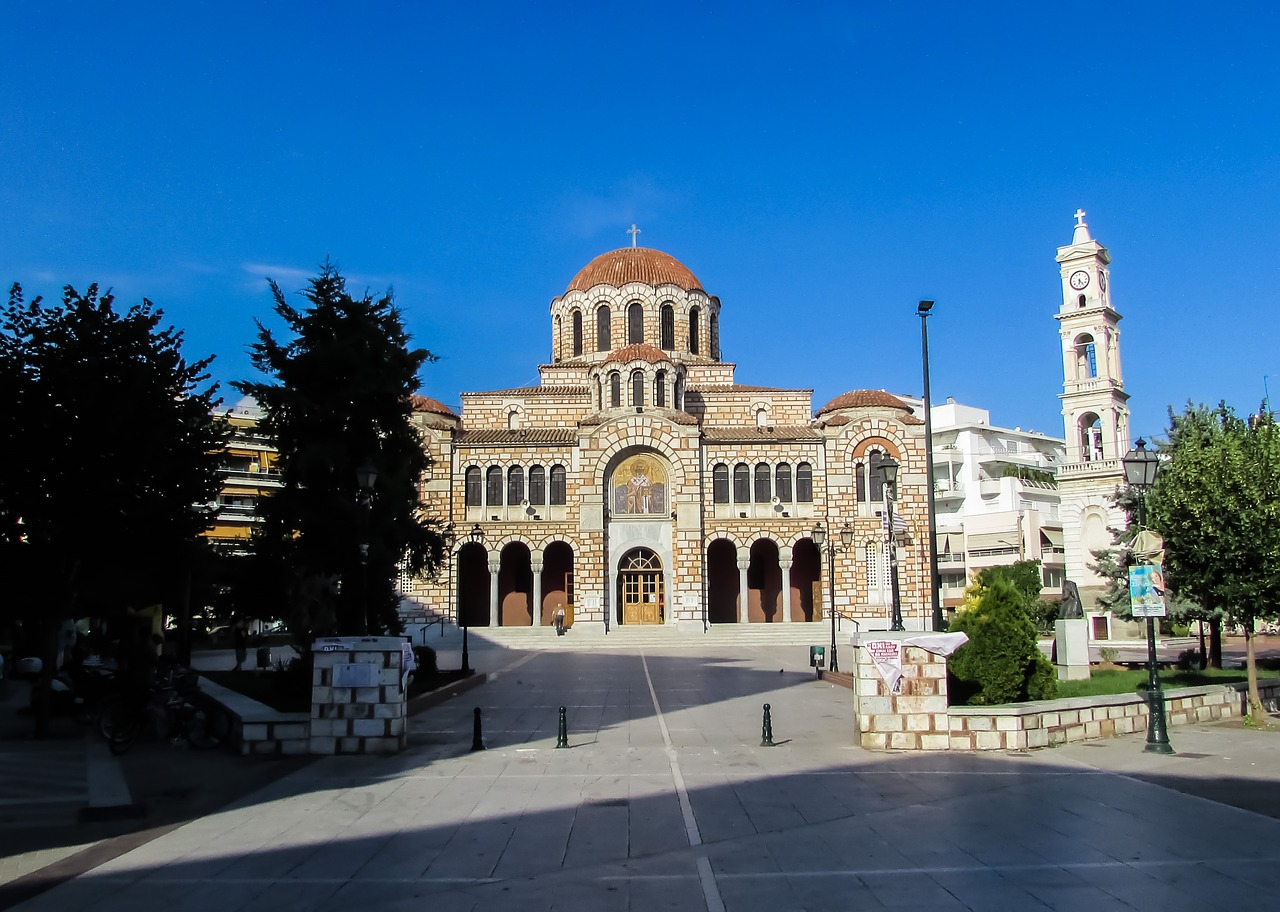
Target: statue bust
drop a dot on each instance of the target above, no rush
(1071, 607)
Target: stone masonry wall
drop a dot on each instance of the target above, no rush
(357, 719)
(916, 718)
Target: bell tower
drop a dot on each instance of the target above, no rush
(1095, 407)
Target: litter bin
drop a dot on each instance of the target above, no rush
(817, 659)
(264, 657)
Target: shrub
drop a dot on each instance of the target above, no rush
(1001, 662)
(425, 659)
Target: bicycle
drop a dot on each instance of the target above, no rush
(167, 706)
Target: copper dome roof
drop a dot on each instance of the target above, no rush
(427, 404)
(634, 264)
(641, 351)
(865, 399)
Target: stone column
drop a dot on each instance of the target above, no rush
(495, 564)
(786, 590)
(743, 593)
(536, 607)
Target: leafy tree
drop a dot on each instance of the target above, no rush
(1216, 502)
(327, 556)
(1025, 577)
(109, 441)
(1001, 663)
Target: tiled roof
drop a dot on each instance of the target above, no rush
(634, 264)
(641, 351)
(675, 416)
(777, 432)
(520, 437)
(534, 391)
(427, 404)
(740, 388)
(865, 399)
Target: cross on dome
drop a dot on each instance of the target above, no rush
(633, 231)
(1080, 213)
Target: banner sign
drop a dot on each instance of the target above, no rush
(1146, 590)
(887, 654)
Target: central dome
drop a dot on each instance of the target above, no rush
(634, 264)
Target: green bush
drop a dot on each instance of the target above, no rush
(1001, 662)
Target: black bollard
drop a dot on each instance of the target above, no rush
(562, 737)
(477, 742)
(766, 732)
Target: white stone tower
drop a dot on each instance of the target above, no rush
(1094, 407)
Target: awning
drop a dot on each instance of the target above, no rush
(950, 543)
(1052, 537)
(1000, 541)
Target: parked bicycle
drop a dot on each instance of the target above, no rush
(168, 708)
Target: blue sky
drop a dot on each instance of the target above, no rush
(819, 166)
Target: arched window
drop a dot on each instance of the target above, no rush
(537, 485)
(667, 329)
(763, 477)
(1086, 357)
(637, 388)
(635, 324)
(615, 390)
(762, 417)
(742, 483)
(870, 483)
(714, 326)
(1080, 301)
(720, 483)
(602, 328)
(557, 486)
(693, 330)
(515, 485)
(679, 403)
(559, 336)
(513, 420)
(804, 483)
(660, 389)
(782, 486)
(493, 487)
(577, 333)
(473, 490)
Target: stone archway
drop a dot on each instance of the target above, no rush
(722, 582)
(764, 583)
(557, 582)
(473, 586)
(806, 577)
(515, 586)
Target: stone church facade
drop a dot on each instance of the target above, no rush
(639, 483)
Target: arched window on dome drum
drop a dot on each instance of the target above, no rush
(515, 485)
(679, 403)
(714, 327)
(804, 483)
(720, 483)
(615, 390)
(637, 388)
(763, 478)
(668, 327)
(472, 490)
(635, 323)
(693, 330)
(537, 485)
(557, 486)
(559, 337)
(782, 485)
(493, 487)
(742, 483)
(602, 328)
(577, 333)
(660, 389)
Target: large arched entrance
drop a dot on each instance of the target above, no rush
(764, 583)
(722, 582)
(641, 593)
(557, 582)
(515, 587)
(473, 586)
(806, 581)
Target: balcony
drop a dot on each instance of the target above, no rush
(266, 478)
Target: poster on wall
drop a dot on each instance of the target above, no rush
(1146, 590)
(887, 656)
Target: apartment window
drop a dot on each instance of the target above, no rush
(720, 483)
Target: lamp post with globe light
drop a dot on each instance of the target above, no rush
(888, 469)
(819, 536)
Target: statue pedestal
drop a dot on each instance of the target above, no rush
(1072, 641)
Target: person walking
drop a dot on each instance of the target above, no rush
(559, 616)
(240, 639)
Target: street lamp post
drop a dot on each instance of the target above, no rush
(1140, 469)
(935, 602)
(476, 535)
(366, 476)
(819, 535)
(888, 469)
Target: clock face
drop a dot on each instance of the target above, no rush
(1079, 279)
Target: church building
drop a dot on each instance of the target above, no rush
(640, 484)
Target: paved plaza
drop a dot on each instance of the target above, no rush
(665, 799)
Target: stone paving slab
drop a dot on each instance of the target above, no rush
(665, 799)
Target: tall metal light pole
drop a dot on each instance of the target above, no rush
(819, 535)
(888, 469)
(366, 475)
(476, 535)
(935, 602)
(1140, 468)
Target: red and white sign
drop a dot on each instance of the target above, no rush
(887, 654)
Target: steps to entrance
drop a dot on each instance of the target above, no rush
(693, 636)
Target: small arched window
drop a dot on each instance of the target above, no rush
(615, 390)
(782, 486)
(763, 478)
(515, 485)
(473, 490)
(679, 403)
(537, 485)
(602, 328)
(869, 481)
(635, 324)
(513, 420)
(804, 483)
(714, 326)
(762, 417)
(577, 333)
(720, 483)
(693, 330)
(667, 328)
(559, 337)
(637, 388)
(493, 487)
(660, 389)
(557, 485)
(742, 483)
(1080, 301)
